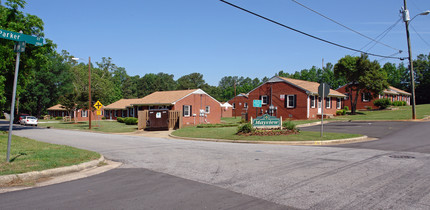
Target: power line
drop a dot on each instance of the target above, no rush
(306, 34)
(382, 35)
(344, 25)
(419, 35)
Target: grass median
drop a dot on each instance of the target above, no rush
(230, 134)
(101, 126)
(30, 155)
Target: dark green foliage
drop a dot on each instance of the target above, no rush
(382, 103)
(399, 103)
(341, 112)
(130, 121)
(245, 128)
(346, 108)
(120, 119)
(289, 125)
(362, 75)
(58, 118)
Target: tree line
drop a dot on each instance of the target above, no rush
(48, 77)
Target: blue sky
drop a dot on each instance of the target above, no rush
(180, 37)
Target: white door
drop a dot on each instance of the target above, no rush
(319, 105)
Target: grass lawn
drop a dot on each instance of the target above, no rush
(30, 155)
(229, 133)
(102, 126)
(403, 113)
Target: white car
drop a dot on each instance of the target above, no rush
(28, 120)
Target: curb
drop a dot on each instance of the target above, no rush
(327, 142)
(34, 175)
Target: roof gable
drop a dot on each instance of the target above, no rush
(168, 97)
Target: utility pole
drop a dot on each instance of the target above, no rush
(406, 19)
(235, 105)
(89, 92)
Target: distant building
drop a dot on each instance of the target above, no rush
(226, 110)
(289, 98)
(197, 106)
(365, 99)
(80, 114)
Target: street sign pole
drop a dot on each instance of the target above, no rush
(322, 111)
(323, 91)
(20, 39)
(12, 107)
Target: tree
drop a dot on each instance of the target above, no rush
(422, 70)
(52, 79)
(191, 81)
(12, 19)
(155, 82)
(362, 76)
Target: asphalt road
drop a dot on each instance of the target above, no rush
(195, 175)
(393, 136)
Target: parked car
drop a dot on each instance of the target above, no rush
(17, 118)
(28, 120)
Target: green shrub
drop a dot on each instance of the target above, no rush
(120, 119)
(289, 125)
(103, 118)
(58, 118)
(130, 121)
(398, 103)
(382, 103)
(403, 103)
(346, 108)
(245, 128)
(341, 112)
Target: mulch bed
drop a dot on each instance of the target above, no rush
(270, 133)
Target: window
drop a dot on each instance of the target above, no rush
(338, 103)
(187, 110)
(328, 103)
(245, 105)
(312, 101)
(124, 113)
(347, 96)
(290, 101)
(208, 109)
(234, 105)
(84, 113)
(264, 99)
(131, 112)
(366, 97)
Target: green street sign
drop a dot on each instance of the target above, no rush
(18, 37)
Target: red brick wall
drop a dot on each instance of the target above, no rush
(197, 102)
(239, 104)
(93, 115)
(226, 111)
(278, 89)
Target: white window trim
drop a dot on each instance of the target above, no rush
(288, 101)
(234, 105)
(208, 109)
(185, 108)
(338, 103)
(364, 97)
(84, 113)
(262, 101)
(315, 101)
(245, 105)
(328, 99)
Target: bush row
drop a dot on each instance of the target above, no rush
(127, 120)
(383, 103)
